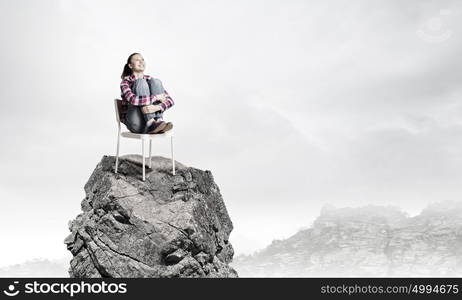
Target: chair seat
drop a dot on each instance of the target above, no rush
(145, 136)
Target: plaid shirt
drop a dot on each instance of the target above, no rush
(128, 95)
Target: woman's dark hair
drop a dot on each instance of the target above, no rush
(127, 71)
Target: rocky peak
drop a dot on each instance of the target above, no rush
(167, 226)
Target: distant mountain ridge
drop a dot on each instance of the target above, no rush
(37, 267)
(368, 241)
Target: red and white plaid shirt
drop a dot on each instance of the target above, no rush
(128, 95)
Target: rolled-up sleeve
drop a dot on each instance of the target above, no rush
(167, 103)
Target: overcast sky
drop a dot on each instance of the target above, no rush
(290, 104)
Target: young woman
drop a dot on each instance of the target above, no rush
(146, 98)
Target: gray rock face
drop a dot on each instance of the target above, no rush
(370, 241)
(167, 226)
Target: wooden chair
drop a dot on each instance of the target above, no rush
(121, 113)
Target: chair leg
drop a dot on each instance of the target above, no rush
(171, 150)
(142, 152)
(117, 153)
(150, 158)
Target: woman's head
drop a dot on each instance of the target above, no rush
(135, 63)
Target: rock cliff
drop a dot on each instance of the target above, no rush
(367, 241)
(167, 226)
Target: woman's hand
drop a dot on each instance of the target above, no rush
(149, 109)
(161, 97)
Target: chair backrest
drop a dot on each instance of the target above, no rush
(120, 110)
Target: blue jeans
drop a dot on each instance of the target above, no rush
(155, 88)
(156, 116)
(136, 120)
(145, 87)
